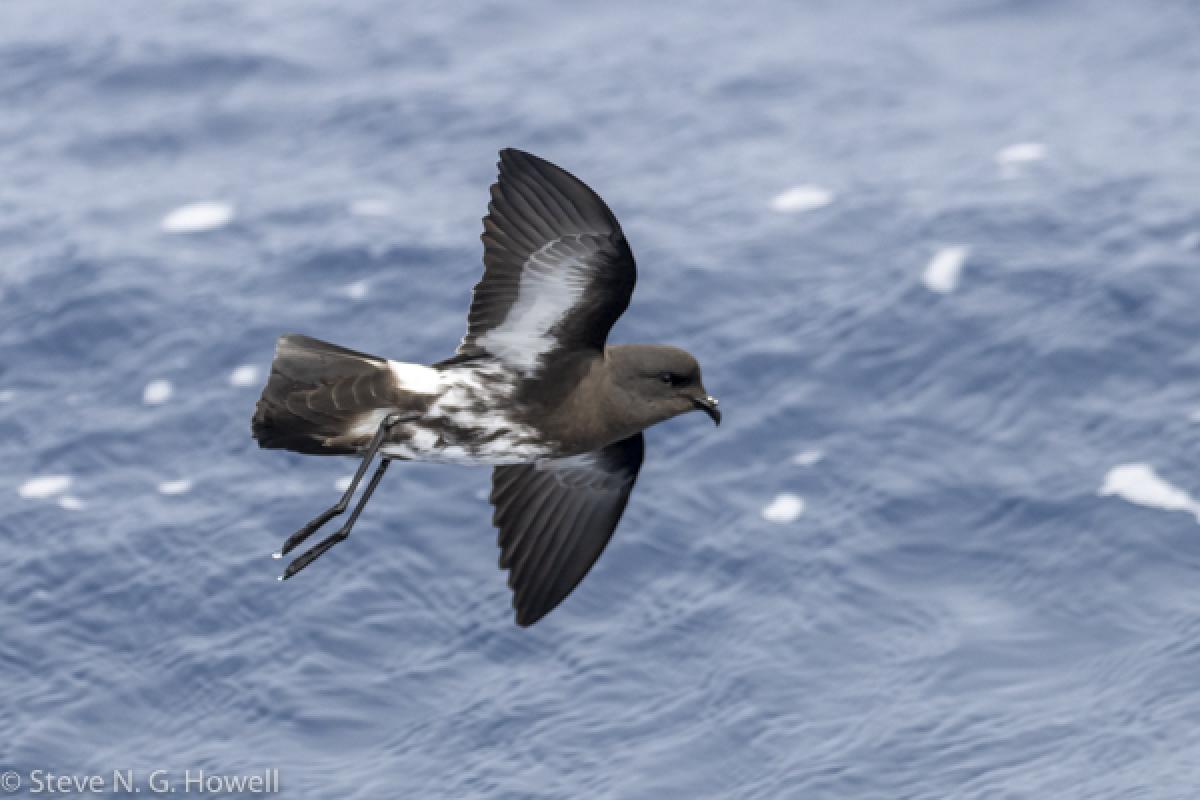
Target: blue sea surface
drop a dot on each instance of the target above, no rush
(941, 263)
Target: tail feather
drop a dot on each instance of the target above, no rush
(318, 396)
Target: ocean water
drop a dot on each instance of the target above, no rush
(941, 261)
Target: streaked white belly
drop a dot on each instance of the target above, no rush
(468, 423)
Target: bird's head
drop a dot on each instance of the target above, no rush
(663, 381)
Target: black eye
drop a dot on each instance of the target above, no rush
(667, 378)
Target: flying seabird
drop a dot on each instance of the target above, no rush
(533, 391)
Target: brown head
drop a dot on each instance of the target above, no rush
(654, 382)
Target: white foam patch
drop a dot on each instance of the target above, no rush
(1021, 153)
(7, 395)
(945, 268)
(808, 458)
(786, 507)
(44, 486)
(357, 290)
(807, 197)
(372, 207)
(1195, 415)
(343, 483)
(157, 392)
(1141, 485)
(245, 375)
(180, 486)
(198, 218)
(70, 502)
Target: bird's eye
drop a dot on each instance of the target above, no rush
(667, 378)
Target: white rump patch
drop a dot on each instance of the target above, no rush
(1141, 485)
(198, 218)
(181, 486)
(549, 289)
(416, 378)
(785, 508)
(944, 269)
(44, 486)
(157, 392)
(245, 375)
(801, 198)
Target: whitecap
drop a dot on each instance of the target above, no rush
(44, 486)
(343, 483)
(357, 290)
(1141, 485)
(179, 486)
(245, 375)
(70, 502)
(198, 218)
(807, 458)
(945, 268)
(157, 392)
(801, 198)
(786, 507)
(7, 395)
(371, 207)
(1021, 153)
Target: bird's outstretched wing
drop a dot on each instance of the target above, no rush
(557, 269)
(555, 517)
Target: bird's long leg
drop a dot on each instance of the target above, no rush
(317, 550)
(340, 506)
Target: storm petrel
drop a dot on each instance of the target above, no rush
(533, 391)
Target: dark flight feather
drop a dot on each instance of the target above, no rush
(542, 216)
(555, 518)
(315, 392)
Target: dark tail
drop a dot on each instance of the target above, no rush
(320, 397)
